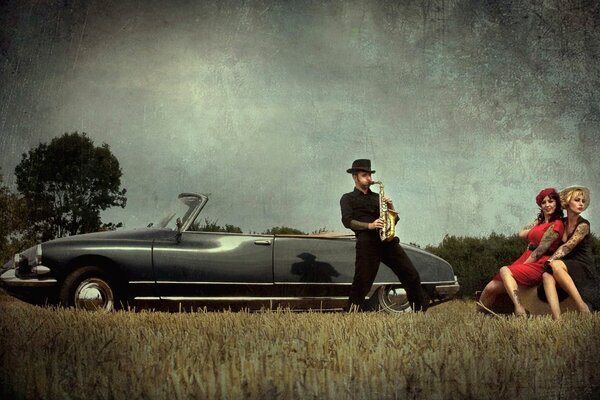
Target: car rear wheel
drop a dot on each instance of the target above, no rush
(89, 288)
(392, 299)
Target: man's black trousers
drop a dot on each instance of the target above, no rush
(369, 254)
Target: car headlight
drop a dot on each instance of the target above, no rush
(21, 263)
(30, 261)
(38, 255)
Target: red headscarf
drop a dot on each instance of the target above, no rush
(543, 193)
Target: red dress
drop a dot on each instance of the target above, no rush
(530, 274)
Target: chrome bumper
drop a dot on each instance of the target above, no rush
(9, 279)
(447, 290)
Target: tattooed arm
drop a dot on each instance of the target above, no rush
(550, 235)
(580, 233)
(525, 231)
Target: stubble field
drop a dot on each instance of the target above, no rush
(451, 352)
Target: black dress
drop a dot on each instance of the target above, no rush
(580, 264)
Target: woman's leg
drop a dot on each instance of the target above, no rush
(551, 295)
(491, 290)
(510, 284)
(562, 277)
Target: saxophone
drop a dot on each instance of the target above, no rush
(389, 217)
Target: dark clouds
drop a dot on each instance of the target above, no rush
(467, 108)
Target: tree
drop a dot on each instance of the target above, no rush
(66, 184)
(12, 223)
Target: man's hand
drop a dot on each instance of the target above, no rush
(389, 203)
(377, 224)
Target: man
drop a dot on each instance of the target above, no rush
(360, 212)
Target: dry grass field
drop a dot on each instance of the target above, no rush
(451, 352)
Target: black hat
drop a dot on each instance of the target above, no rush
(360, 165)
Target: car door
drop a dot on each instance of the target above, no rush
(313, 267)
(208, 264)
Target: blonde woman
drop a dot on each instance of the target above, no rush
(572, 265)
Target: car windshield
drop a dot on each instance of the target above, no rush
(182, 208)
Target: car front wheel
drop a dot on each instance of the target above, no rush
(88, 288)
(392, 299)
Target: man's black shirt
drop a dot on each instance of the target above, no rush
(361, 207)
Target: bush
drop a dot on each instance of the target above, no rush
(596, 251)
(476, 260)
(213, 226)
(283, 230)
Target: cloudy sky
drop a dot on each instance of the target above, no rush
(467, 108)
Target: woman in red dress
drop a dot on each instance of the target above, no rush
(544, 236)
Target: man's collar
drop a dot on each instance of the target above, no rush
(358, 191)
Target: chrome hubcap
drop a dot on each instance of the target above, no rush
(393, 299)
(94, 294)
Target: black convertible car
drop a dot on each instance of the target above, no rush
(172, 262)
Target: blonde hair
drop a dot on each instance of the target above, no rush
(568, 195)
